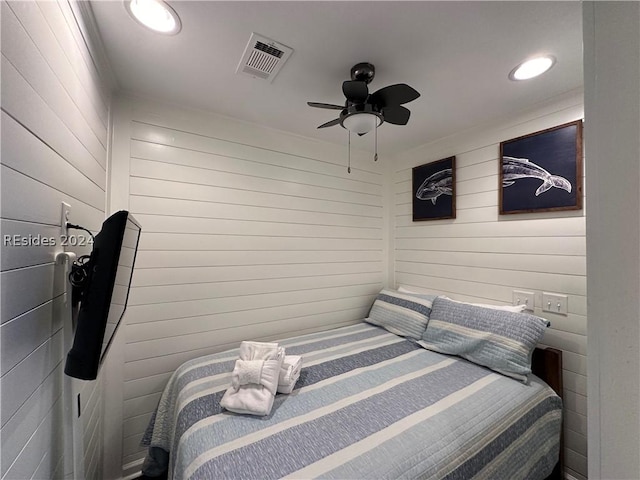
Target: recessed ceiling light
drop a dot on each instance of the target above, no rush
(532, 67)
(154, 14)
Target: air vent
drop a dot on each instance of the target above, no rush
(263, 58)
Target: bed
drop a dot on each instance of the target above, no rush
(369, 403)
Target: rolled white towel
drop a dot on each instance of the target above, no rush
(246, 372)
(289, 373)
(263, 373)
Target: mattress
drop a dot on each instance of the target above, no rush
(368, 404)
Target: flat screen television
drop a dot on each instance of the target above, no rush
(103, 294)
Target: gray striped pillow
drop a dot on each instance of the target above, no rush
(500, 340)
(404, 314)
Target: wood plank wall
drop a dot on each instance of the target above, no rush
(248, 233)
(482, 257)
(55, 106)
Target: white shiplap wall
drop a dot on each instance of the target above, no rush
(248, 233)
(612, 132)
(55, 106)
(481, 256)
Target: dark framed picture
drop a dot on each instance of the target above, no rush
(542, 171)
(434, 190)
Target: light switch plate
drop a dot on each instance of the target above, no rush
(555, 303)
(523, 297)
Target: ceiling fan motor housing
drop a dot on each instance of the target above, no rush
(363, 72)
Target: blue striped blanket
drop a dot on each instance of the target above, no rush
(368, 404)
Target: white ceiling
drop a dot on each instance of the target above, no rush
(456, 54)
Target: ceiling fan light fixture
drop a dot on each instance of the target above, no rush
(155, 15)
(361, 123)
(532, 68)
(364, 111)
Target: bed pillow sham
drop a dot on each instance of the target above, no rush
(404, 314)
(500, 340)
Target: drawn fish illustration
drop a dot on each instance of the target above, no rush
(515, 168)
(437, 184)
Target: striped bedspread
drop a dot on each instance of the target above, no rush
(368, 404)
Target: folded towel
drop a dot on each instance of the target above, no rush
(289, 373)
(247, 371)
(254, 379)
(257, 372)
(260, 351)
(249, 399)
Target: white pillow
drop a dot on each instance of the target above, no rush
(403, 289)
(505, 308)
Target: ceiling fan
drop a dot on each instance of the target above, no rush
(362, 111)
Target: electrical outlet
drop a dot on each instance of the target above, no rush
(555, 303)
(522, 297)
(65, 214)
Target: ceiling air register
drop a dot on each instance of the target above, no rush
(263, 58)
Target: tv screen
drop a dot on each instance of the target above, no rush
(104, 294)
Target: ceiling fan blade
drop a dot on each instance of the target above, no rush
(355, 91)
(330, 124)
(325, 105)
(397, 114)
(394, 95)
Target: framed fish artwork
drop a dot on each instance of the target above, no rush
(542, 171)
(434, 190)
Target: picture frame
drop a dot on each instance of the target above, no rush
(542, 171)
(434, 190)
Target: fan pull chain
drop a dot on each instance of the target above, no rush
(349, 157)
(375, 156)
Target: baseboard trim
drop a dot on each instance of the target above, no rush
(132, 469)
